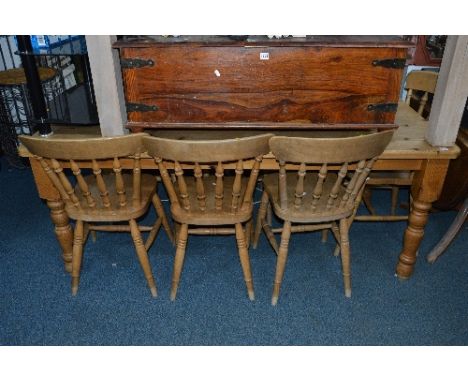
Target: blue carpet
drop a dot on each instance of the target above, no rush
(114, 307)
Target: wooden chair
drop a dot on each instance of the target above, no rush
(108, 195)
(419, 85)
(423, 81)
(316, 196)
(200, 198)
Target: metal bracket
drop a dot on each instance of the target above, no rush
(392, 63)
(140, 107)
(383, 107)
(132, 63)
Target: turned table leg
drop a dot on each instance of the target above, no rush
(426, 188)
(59, 217)
(63, 231)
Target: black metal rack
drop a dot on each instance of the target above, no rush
(67, 98)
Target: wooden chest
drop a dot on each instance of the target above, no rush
(217, 82)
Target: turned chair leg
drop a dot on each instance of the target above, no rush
(176, 231)
(324, 235)
(153, 233)
(345, 256)
(262, 211)
(336, 233)
(77, 255)
(142, 256)
(269, 214)
(281, 261)
(244, 259)
(162, 215)
(179, 258)
(248, 232)
(263, 222)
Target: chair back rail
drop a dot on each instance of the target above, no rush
(329, 150)
(424, 80)
(84, 148)
(209, 151)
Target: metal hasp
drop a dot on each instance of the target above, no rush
(132, 63)
(383, 107)
(34, 85)
(140, 107)
(392, 63)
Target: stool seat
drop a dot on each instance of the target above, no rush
(12, 77)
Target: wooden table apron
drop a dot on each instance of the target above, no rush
(429, 175)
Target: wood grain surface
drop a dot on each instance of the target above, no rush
(300, 84)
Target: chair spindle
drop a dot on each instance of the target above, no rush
(282, 185)
(361, 181)
(408, 96)
(201, 197)
(54, 179)
(219, 192)
(423, 102)
(252, 181)
(317, 193)
(236, 188)
(136, 197)
(182, 186)
(349, 189)
(100, 184)
(65, 182)
(336, 187)
(299, 192)
(82, 184)
(166, 178)
(119, 183)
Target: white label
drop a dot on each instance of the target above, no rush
(264, 56)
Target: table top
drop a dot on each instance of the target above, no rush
(408, 141)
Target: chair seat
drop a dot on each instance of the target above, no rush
(210, 215)
(305, 213)
(115, 212)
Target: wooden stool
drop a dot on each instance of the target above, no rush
(15, 109)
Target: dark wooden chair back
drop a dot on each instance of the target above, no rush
(88, 153)
(324, 153)
(200, 155)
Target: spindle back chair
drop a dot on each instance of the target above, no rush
(326, 188)
(420, 80)
(109, 194)
(416, 81)
(203, 194)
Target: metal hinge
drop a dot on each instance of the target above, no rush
(383, 107)
(140, 107)
(393, 63)
(132, 63)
